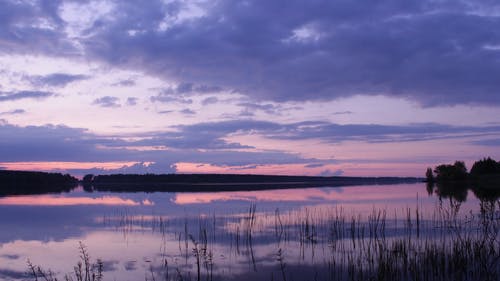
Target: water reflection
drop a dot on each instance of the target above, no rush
(262, 235)
(318, 195)
(52, 200)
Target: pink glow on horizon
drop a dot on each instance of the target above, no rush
(48, 200)
(344, 169)
(49, 166)
(263, 169)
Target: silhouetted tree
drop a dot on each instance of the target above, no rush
(429, 176)
(455, 172)
(21, 182)
(88, 178)
(486, 166)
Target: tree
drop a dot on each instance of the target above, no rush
(486, 166)
(88, 178)
(429, 175)
(455, 172)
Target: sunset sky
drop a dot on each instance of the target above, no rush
(337, 87)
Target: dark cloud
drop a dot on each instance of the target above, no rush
(314, 165)
(165, 111)
(55, 79)
(125, 83)
(335, 133)
(251, 108)
(187, 111)
(487, 142)
(436, 52)
(11, 96)
(246, 167)
(171, 95)
(342, 112)
(44, 143)
(132, 101)
(210, 100)
(181, 92)
(13, 112)
(372, 133)
(107, 101)
(190, 88)
(61, 143)
(206, 142)
(330, 173)
(28, 27)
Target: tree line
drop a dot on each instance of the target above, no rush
(22, 182)
(484, 169)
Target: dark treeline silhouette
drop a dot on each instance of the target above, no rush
(484, 169)
(23, 183)
(453, 181)
(222, 182)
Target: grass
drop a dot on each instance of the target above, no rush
(332, 245)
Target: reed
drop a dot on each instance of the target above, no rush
(413, 245)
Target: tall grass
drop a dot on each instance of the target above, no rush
(332, 244)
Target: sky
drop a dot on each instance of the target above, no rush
(352, 88)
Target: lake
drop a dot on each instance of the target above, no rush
(329, 233)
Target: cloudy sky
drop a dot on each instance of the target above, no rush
(335, 87)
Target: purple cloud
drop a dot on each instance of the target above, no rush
(315, 50)
(13, 112)
(187, 111)
(11, 96)
(107, 101)
(56, 79)
(131, 101)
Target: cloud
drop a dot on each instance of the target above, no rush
(34, 28)
(330, 173)
(125, 83)
(342, 112)
(170, 96)
(12, 96)
(209, 100)
(13, 112)
(65, 144)
(373, 133)
(319, 50)
(313, 51)
(314, 165)
(55, 79)
(250, 108)
(487, 142)
(188, 111)
(246, 167)
(165, 111)
(189, 88)
(181, 92)
(132, 101)
(335, 133)
(159, 151)
(107, 101)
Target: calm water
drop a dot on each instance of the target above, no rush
(267, 235)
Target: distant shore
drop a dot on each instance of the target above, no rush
(25, 182)
(225, 182)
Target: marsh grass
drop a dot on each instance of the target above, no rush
(84, 270)
(332, 244)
